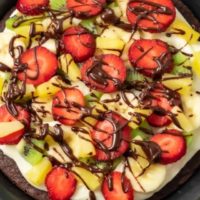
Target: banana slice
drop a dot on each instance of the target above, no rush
(5, 38)
(150, 180)
(144, 176)
(191, 107)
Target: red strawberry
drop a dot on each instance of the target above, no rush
(22, 115)
(117, 186)
(40, 65)
(111, 136)
(67, 105)
(172, 144)
(32, 7)
(60, 183)
(158, 120)
(151, 15)
(16, 134)
(150, 57)
(105, 73)
(85, 8)
(79, 43)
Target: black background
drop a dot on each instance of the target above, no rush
(189, 191)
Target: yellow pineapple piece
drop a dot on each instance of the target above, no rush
(69, 67)
(49, 88)
(182, 85)
(196, 63)
(182, 119)
(3, 77)
(191, 36)
(37, 174)
(92, 180)
(109, 43)
(82, 146)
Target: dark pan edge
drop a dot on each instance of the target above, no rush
(10, 169)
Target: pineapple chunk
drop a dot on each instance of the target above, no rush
(196, 63)
(3, 77)
(183, 120)
(37, 174)
(81, 144)
(92, 181)
(182, 85)
(191, 36)
(105, 51)
(49, 88)
(56, 151)
(109, 43)
(69, 67)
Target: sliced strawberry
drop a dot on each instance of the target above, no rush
(39, 65)
(158, 120)
(30, 7)
(85, 8)
(60, 183)
(22, 115)
(15, 135)
(172, 144)
(150, 57)
(105, 73)
(117, 186)
(79, 43)
(151, 15)
(67, 106)
(111, 136)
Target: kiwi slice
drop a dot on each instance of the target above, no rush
(16, 21)
(93, 96)
(57, 4)
(134, 76)
(29, 152)
(89, 25)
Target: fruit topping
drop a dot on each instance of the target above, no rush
(151, 15)
(78, 42)
(29, 7)
(161, 100)
(29, 150)
(85, 8)
(150, 57)
(172, 144)
(67, 106)
(37, 65)
(105, 73)
(57, 4)
(117, 186)
(17, 114)
(111, 136)
(60, 183)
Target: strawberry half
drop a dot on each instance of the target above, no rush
(158, 120)
(151, 15)
(105, 73)
(161, 100)
(16, 134)
(111, 136)
(67, 105)
(39, 65)
(150, 57)
(116, 186)
(30, 7)
(60, 183)
(172, 144)
(78, 42)
(85, 8)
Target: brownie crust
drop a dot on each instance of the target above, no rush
(10, 169)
